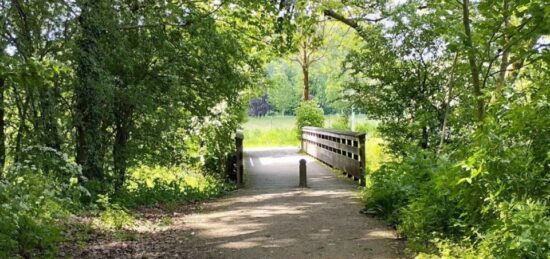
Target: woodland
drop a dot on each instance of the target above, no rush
(108, 106)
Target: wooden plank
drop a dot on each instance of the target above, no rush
(341, 146)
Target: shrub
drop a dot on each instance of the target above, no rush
(390, 188)
(113, 216)
(368, 127)
(35, 195)
(155, 185)
(309, 113)
(522, 230)
(340, 123)
(375, 153)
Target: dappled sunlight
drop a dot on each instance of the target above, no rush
(378, 234)
(270, 217)
(281, 160)
(273, 213)
(259, 242)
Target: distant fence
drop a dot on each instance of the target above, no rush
(235, 166)
(344, 150)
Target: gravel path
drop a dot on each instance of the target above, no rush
(272, 218)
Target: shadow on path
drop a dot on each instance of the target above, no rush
(273, 218)
(270, 218)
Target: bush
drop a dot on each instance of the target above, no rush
(390, 188)
(113, 216)
(465, 208)
(522, 231)
(35, 196)
(155, 185)
(340, 123)
(309, 113)
(369, 127)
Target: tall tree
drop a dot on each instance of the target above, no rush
(90, 89)
(310, 38)
(480, 109)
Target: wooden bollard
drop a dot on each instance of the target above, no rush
(303, 175)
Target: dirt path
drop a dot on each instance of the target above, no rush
(270, 218)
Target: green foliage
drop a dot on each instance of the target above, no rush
(368, 127)
(112, 215)
(485, 200)
(308, 114)
(283, 94)
(166, 221)
(160, 185)
(522, 230)
(326, 78)
(275, 137)
(35, 195)
(340, 122)
(389, 188)
(461, 93)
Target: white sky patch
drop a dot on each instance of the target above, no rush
(10, 50)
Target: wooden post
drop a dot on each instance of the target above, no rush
(239, 153)
(362, 158)
(303, 175)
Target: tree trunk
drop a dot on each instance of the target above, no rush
(88, 112)
(49, 130)
(22, 108)
(305, 71)
(501, 81)
(123, 111)
(447, 104)
(2, 126)
(425, 138)
(120, 153)
(474, 70)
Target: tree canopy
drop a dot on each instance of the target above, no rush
(92, 90)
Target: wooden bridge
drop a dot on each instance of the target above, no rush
(271, 216)
(341, 150)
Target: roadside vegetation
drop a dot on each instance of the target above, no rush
(460, 90)
(110, 107)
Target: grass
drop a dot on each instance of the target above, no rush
(277, 131)
(270, 132)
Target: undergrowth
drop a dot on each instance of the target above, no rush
(147, 186)
(39, 195)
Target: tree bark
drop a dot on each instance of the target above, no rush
(447, 104)
(2, 126)
(22, 107)
(474, 70)
(120, 150)
(49, 130)
(88, 110)
(349, 22)
(305, 71)
(501, 81)
(123, 113)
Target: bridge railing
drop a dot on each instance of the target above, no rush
(344, 150)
